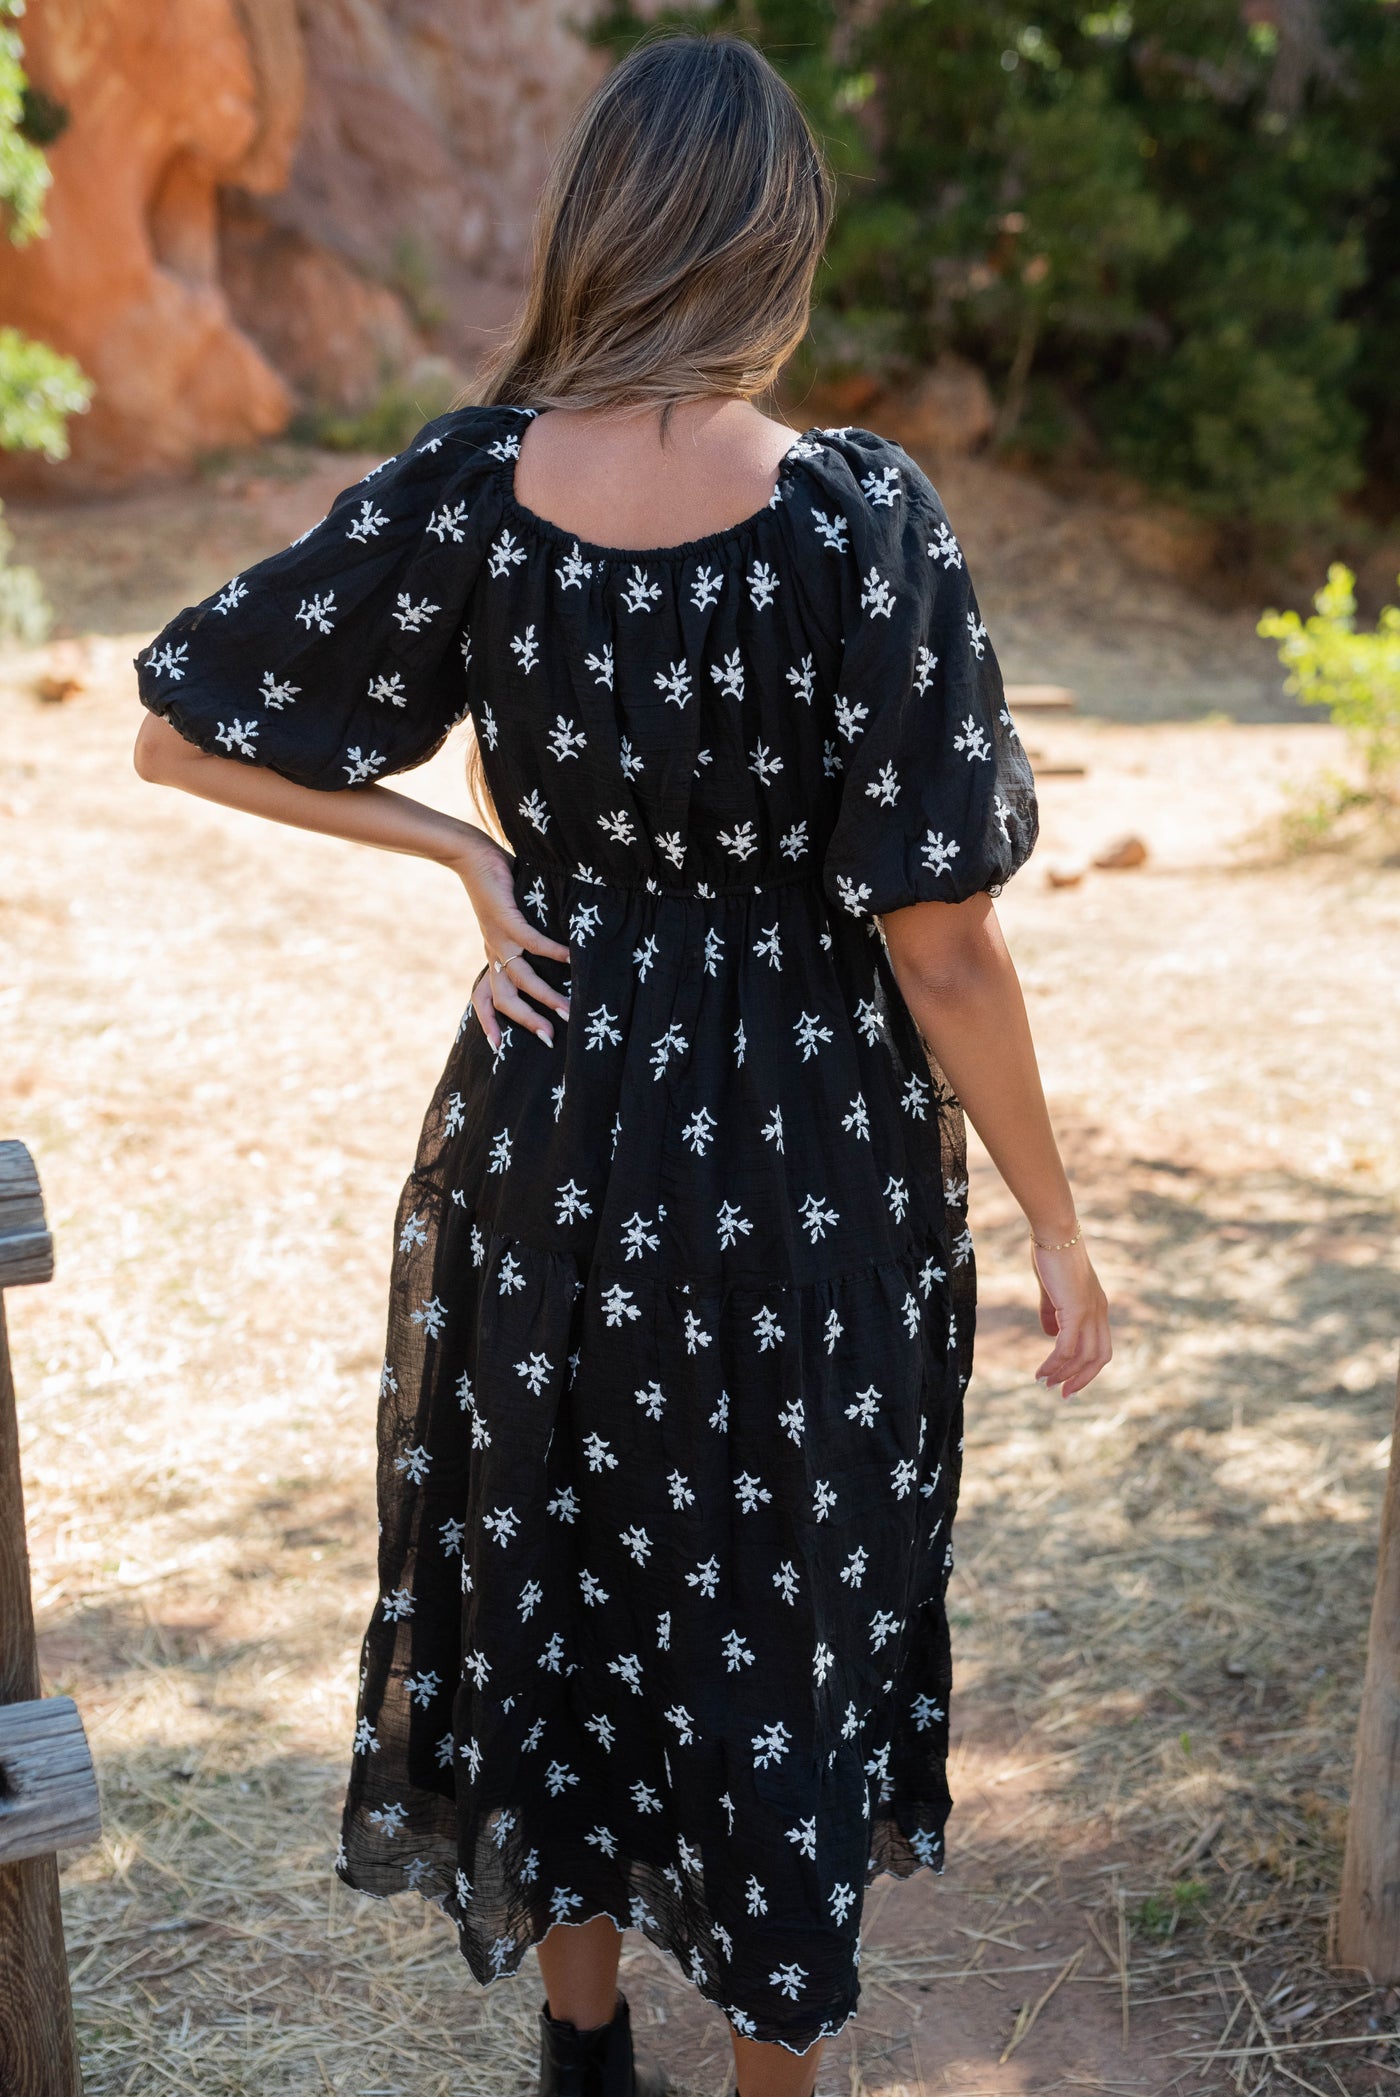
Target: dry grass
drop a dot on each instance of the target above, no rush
(219, 1042)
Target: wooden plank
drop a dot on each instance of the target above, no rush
(26, 1249)
(1040, 698)
(19, 1656)
(48, 1789)
(1045, 769)
(1368, 1914)
(38, 2049)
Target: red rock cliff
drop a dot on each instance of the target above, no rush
(256, 201)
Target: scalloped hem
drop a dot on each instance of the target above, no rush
(829, 2030)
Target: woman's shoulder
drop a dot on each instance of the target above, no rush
(463, 443)
(868, 499)
(870, 481)
(431, 485)
(488, 432)
(868, 469)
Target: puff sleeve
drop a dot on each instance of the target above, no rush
(937, 799)
(341, 658)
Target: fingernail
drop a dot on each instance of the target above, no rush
(545, 1036)
(563, 1011)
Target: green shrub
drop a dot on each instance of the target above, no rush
(1356, 676)
(25, 613)
(24, 174)
(401, 406)
(39, 388)
(1162, 1914)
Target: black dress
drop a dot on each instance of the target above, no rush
(682, 1307)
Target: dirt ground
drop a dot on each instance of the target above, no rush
(218, 1041)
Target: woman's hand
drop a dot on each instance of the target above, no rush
(1074, 1311)
(486, 872)
(373, 814)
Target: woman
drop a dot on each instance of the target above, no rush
(683, 1295)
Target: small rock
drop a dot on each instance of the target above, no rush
(850, 393)
(1124, 851)
(948, 411)
(1235, 1669)
(64, 675)
(1064, 874)
(54, 690)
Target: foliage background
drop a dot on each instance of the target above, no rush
(1168, 230)
(39, 389)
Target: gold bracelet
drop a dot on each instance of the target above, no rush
(1064, 1245)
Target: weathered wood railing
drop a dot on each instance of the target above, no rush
(48, 1792)
(1042, 699)
(1368, 1916)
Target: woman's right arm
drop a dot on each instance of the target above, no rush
(960, 983)
(393, 822)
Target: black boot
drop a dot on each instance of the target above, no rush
(596, 2063)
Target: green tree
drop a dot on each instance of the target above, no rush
(1173, 225)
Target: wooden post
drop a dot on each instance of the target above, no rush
(38, 2050)
(1368, 1916)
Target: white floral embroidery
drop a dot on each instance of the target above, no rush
(849, 715)
(876, 595)
(564, 739)
(810, 1034)
(169, 661)
(729, 675)
(601, 666)
(831, 531)
(238, 735)
(573, 570)
(362, 764)
(639, 593)
(412, 617)
(388, 689)
(944, 547)
(618, 826)
(705, 588)
(972, 740)
(763, 584)
(803, 678)
(369, 523)
(881, 488)
(506, 553)
(316, 611)
(937, 855)
(525, 648)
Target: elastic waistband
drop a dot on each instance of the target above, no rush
(573, 877)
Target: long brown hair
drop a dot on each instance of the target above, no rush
(675, 243)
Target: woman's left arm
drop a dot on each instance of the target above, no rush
(393, 822)
(960, 983)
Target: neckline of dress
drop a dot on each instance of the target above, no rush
(686, 549)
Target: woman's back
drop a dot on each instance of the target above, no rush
(716, 761)
(613, 480)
